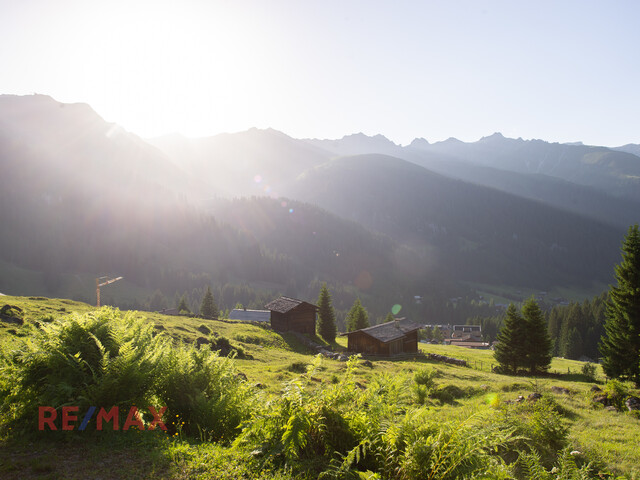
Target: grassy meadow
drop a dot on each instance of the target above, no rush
(276, 410)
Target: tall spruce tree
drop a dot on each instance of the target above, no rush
(537, 343)
(357, 317)
(620, 346)
(208, 307)
(183, 305)
(511, 350)
(326, 316)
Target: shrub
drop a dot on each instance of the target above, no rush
(297, 367)
(223, 345)
(107, 358)
(617, 392)
(538, 425)
(202, 390)
(425, 377)
(103, 358)
(448, 393)
(423, 384)
(589, 371)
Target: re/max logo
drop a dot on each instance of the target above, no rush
(48, 415)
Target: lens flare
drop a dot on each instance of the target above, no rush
(396, 309)
(364, 280)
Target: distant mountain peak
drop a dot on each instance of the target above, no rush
(495, 136)
(379, 138)
(419, 143)
(451, 140)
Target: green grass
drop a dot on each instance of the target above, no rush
(610, 438)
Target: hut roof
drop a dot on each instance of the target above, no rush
(250, 315)
(285, 304)
(387, 332)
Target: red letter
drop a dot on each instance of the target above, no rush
(133, 414)
(157, 418)
(111, 416)
(48, 420)
(66, 417)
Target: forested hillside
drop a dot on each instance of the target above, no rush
(85, 198)
(479, 234)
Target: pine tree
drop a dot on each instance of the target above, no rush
(183, 306)
(208, 307)
(620, 346)
(510, 350)
(389, 318)
(326, 316)
(357, 317)
(537, 343)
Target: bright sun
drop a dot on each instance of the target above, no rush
(160, 67)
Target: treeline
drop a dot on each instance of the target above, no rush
(576, 328)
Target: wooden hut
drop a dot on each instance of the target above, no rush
(292, 315)
(391, 338)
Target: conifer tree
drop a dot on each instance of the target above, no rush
(326, 316)
(357, 317)
(208, 307)
(389, 318)
(620, 346)
(537, 343)
(183, 306)
(510, 349)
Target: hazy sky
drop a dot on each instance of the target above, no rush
(557, 70)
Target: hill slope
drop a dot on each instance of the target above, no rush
(478, 233)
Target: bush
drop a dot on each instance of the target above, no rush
(539, 427)
(617, 392)
(107, 359)
(423, 384)
(297, 367)
(448, 393)
(224, 346)
(103, 358)
(425, 377)
(202, 390)
(589, 371)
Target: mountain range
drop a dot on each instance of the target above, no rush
(372, 218)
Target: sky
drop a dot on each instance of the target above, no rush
(561, 71)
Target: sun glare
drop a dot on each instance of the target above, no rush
(161, 68)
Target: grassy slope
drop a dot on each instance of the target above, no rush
(608, 436)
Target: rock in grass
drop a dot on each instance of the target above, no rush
(632, 403)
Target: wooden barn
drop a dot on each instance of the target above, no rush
(391, 338)
(292, 315)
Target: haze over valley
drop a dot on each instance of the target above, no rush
(256, 213)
